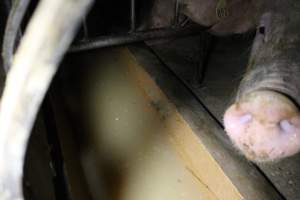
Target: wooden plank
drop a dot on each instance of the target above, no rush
(193, 152)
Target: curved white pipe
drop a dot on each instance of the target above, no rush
(46, 39)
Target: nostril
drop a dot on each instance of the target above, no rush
(286, 126)
(245, 118)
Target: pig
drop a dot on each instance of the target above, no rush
(222, 17)
(263, 123)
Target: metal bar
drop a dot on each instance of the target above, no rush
(176, 15)
(12, 31)
(85, 29)
(205, 44)
(132, 15)
(114, 40)
(34, 65)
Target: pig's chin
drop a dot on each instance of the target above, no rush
(264, 126)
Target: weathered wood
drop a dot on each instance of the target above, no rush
(47, 37)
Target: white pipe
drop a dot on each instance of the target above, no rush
(46, 39)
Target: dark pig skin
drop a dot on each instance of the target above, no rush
(241, 15)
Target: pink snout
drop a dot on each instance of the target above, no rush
(264, 126)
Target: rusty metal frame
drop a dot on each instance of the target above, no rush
(175, 30)
(132, 37)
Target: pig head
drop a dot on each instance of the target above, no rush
(264, 121)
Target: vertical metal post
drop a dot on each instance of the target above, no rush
(176, 13)
(12, 31)
(132, 15)
(85, 29)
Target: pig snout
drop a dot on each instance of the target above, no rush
(264, 125)
(264, 121)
